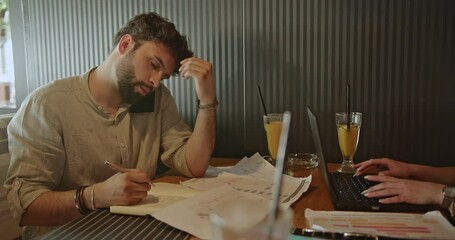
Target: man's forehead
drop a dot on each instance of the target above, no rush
(161, 53)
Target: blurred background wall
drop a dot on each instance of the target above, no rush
(398, 57)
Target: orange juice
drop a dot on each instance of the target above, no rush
(348, 139)
(273, 131)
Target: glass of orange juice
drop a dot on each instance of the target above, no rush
(273, 123)
(348, 128)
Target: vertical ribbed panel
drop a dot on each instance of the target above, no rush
(68, 37)
(65, 38)
(214, 32)
(398, 57)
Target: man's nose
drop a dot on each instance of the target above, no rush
(155, 79)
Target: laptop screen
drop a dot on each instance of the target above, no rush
(318, 144)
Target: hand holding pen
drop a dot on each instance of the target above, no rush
(129, 187)
(115, 167)
(119, 168)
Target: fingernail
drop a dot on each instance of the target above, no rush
(366, 194)
(366, 177)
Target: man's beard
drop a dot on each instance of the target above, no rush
(124, 71)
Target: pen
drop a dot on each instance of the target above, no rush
(115, 167)
(119, 168)
(333, 235)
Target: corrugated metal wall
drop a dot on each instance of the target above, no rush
(398, 56)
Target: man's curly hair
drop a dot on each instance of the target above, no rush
(152, 27)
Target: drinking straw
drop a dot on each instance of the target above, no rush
(262, 100)
(348, 103)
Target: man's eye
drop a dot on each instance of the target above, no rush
(154, 66)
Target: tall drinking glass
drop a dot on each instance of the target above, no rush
(273, 123)
(246, 219)
(348, 129)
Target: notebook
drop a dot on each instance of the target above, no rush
(160, 196)
(345, 189)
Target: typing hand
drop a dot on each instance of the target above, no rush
(385, 166)
(396, 190)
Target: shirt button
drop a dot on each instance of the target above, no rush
(122, 145)
(100, 108)
(17, 182)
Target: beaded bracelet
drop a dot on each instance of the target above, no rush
(212, 105)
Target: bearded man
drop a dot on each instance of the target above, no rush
(119, 112)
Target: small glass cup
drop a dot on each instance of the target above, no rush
(300, 161)
(243, 220)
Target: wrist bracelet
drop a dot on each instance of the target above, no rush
(212, 105)
(77, 196)
(79, 200)
(448, 193)
(92, 196)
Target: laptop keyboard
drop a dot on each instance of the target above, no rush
(349, 187)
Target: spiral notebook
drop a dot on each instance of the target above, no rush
(346, 190)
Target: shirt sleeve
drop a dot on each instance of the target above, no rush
(36, 155)
(174, 135)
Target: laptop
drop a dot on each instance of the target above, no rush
(345, 189)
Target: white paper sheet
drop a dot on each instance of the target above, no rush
(431, 225)
(192, 214)
(291, 191)
(250, 179)
(254, 166)
(253, 175)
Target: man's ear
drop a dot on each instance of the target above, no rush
(126, 42)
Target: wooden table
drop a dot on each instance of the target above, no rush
(316, 197)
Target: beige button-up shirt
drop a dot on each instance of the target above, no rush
(60, 138)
